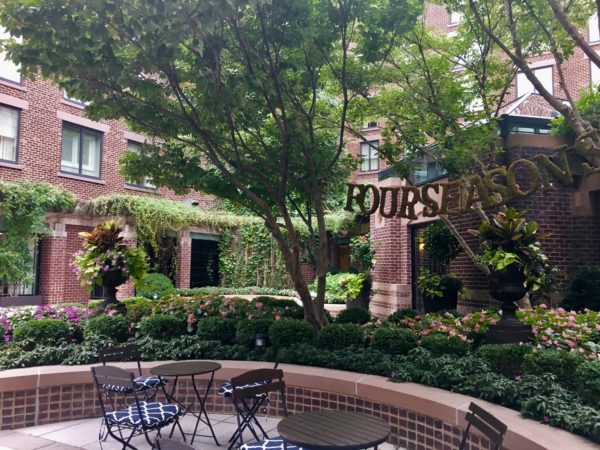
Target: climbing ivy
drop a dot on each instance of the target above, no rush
(23, 208)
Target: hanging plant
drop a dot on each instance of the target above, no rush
(23, 209)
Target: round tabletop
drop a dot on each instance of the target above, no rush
(333, 430)
(185, 368)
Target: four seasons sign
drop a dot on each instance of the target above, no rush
(493, 188)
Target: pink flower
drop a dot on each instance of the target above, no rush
(546, 419)
(191, 318)
(258, 305)
(393, 374)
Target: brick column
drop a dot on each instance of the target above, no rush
(130, 239)
(53, 265)
(184, 259)
(392, 271)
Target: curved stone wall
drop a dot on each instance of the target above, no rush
(421, 417)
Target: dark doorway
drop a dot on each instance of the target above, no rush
(419, 262)
(205, 263)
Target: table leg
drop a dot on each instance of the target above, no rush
(171, 399)
(202, 401)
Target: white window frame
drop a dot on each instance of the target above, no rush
(18, 127)
(455, 17)
(594, 74)
(593, 29)
(369, 146)
(524, 86)
(9, 71)
(147, 182)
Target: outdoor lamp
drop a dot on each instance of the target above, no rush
(260, 340)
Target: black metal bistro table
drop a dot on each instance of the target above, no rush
(333, 430)
(189, 369)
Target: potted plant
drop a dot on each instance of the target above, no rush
(512, 251)
(439, 289)
(440, 292)
(106, 261)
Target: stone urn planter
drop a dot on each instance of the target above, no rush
(508, 286)
(363, 299)
(111, 280)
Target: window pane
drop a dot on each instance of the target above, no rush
(9, 127)
(70, 150)
(136, 147)
(595, 76)
(455, 17)
(90, 156)
(543, 74)
(8, 69)
(545, 77)
(593, 28)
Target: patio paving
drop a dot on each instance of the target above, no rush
(83, 434)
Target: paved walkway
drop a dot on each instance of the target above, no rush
(83, 434)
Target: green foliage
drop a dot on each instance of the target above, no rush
(509, 239)
(433, 285)
(342, 287)
(439, 344)
(440, 245)
(114, 328)
(162, 326)
(23, 208)
(154, 285)
(394, 341)
(353, 315)
(362, 256)
(584, 290)
(34, 333)
(561, 364)
(104, 253)
(251, 290)
(588, 105)
(138, 307)
(217, 329)
(247, 329)
(402, 314)
(506, 359)
(586, 381)
(340, 335)
(284, 333)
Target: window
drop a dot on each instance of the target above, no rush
(369, 156)
(455, 17)
(593, 29)
(136, 147)
(595, 74)
(371, 124)
(8, 69)
(31, 287)
(9, 131)
(544, 74)
(73, 99)
(81, 151)
(425, 171)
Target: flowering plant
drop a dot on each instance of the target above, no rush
(362, 255)
(104, 252)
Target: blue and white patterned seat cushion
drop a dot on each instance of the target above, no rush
(141, 384)
(226, 388)
(269, 444)
(153, 414)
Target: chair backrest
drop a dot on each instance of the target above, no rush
(124, 353)
(487, 424)
(256, 382)
(171, 444)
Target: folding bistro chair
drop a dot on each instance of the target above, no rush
(487, 424)
(249, 391)
(148, 384)
(140, 417)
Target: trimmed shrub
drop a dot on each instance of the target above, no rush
(506, 359)
(393, 341)
(401, 314)
(216, 329)
(115, 328)
(154, 284)
(587, 382)
(557, 362)
(163, 326)
(340, 335)
(284, 333)
(138, 307)
(270, 307)
(35, 333)
(584, 290)
(247, 329)
(353, 315)
(440, 344)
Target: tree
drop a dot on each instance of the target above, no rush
(248, 99)
(537, 27)
(441, 99)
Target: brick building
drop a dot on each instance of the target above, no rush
(45, 137)
(570, 214)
